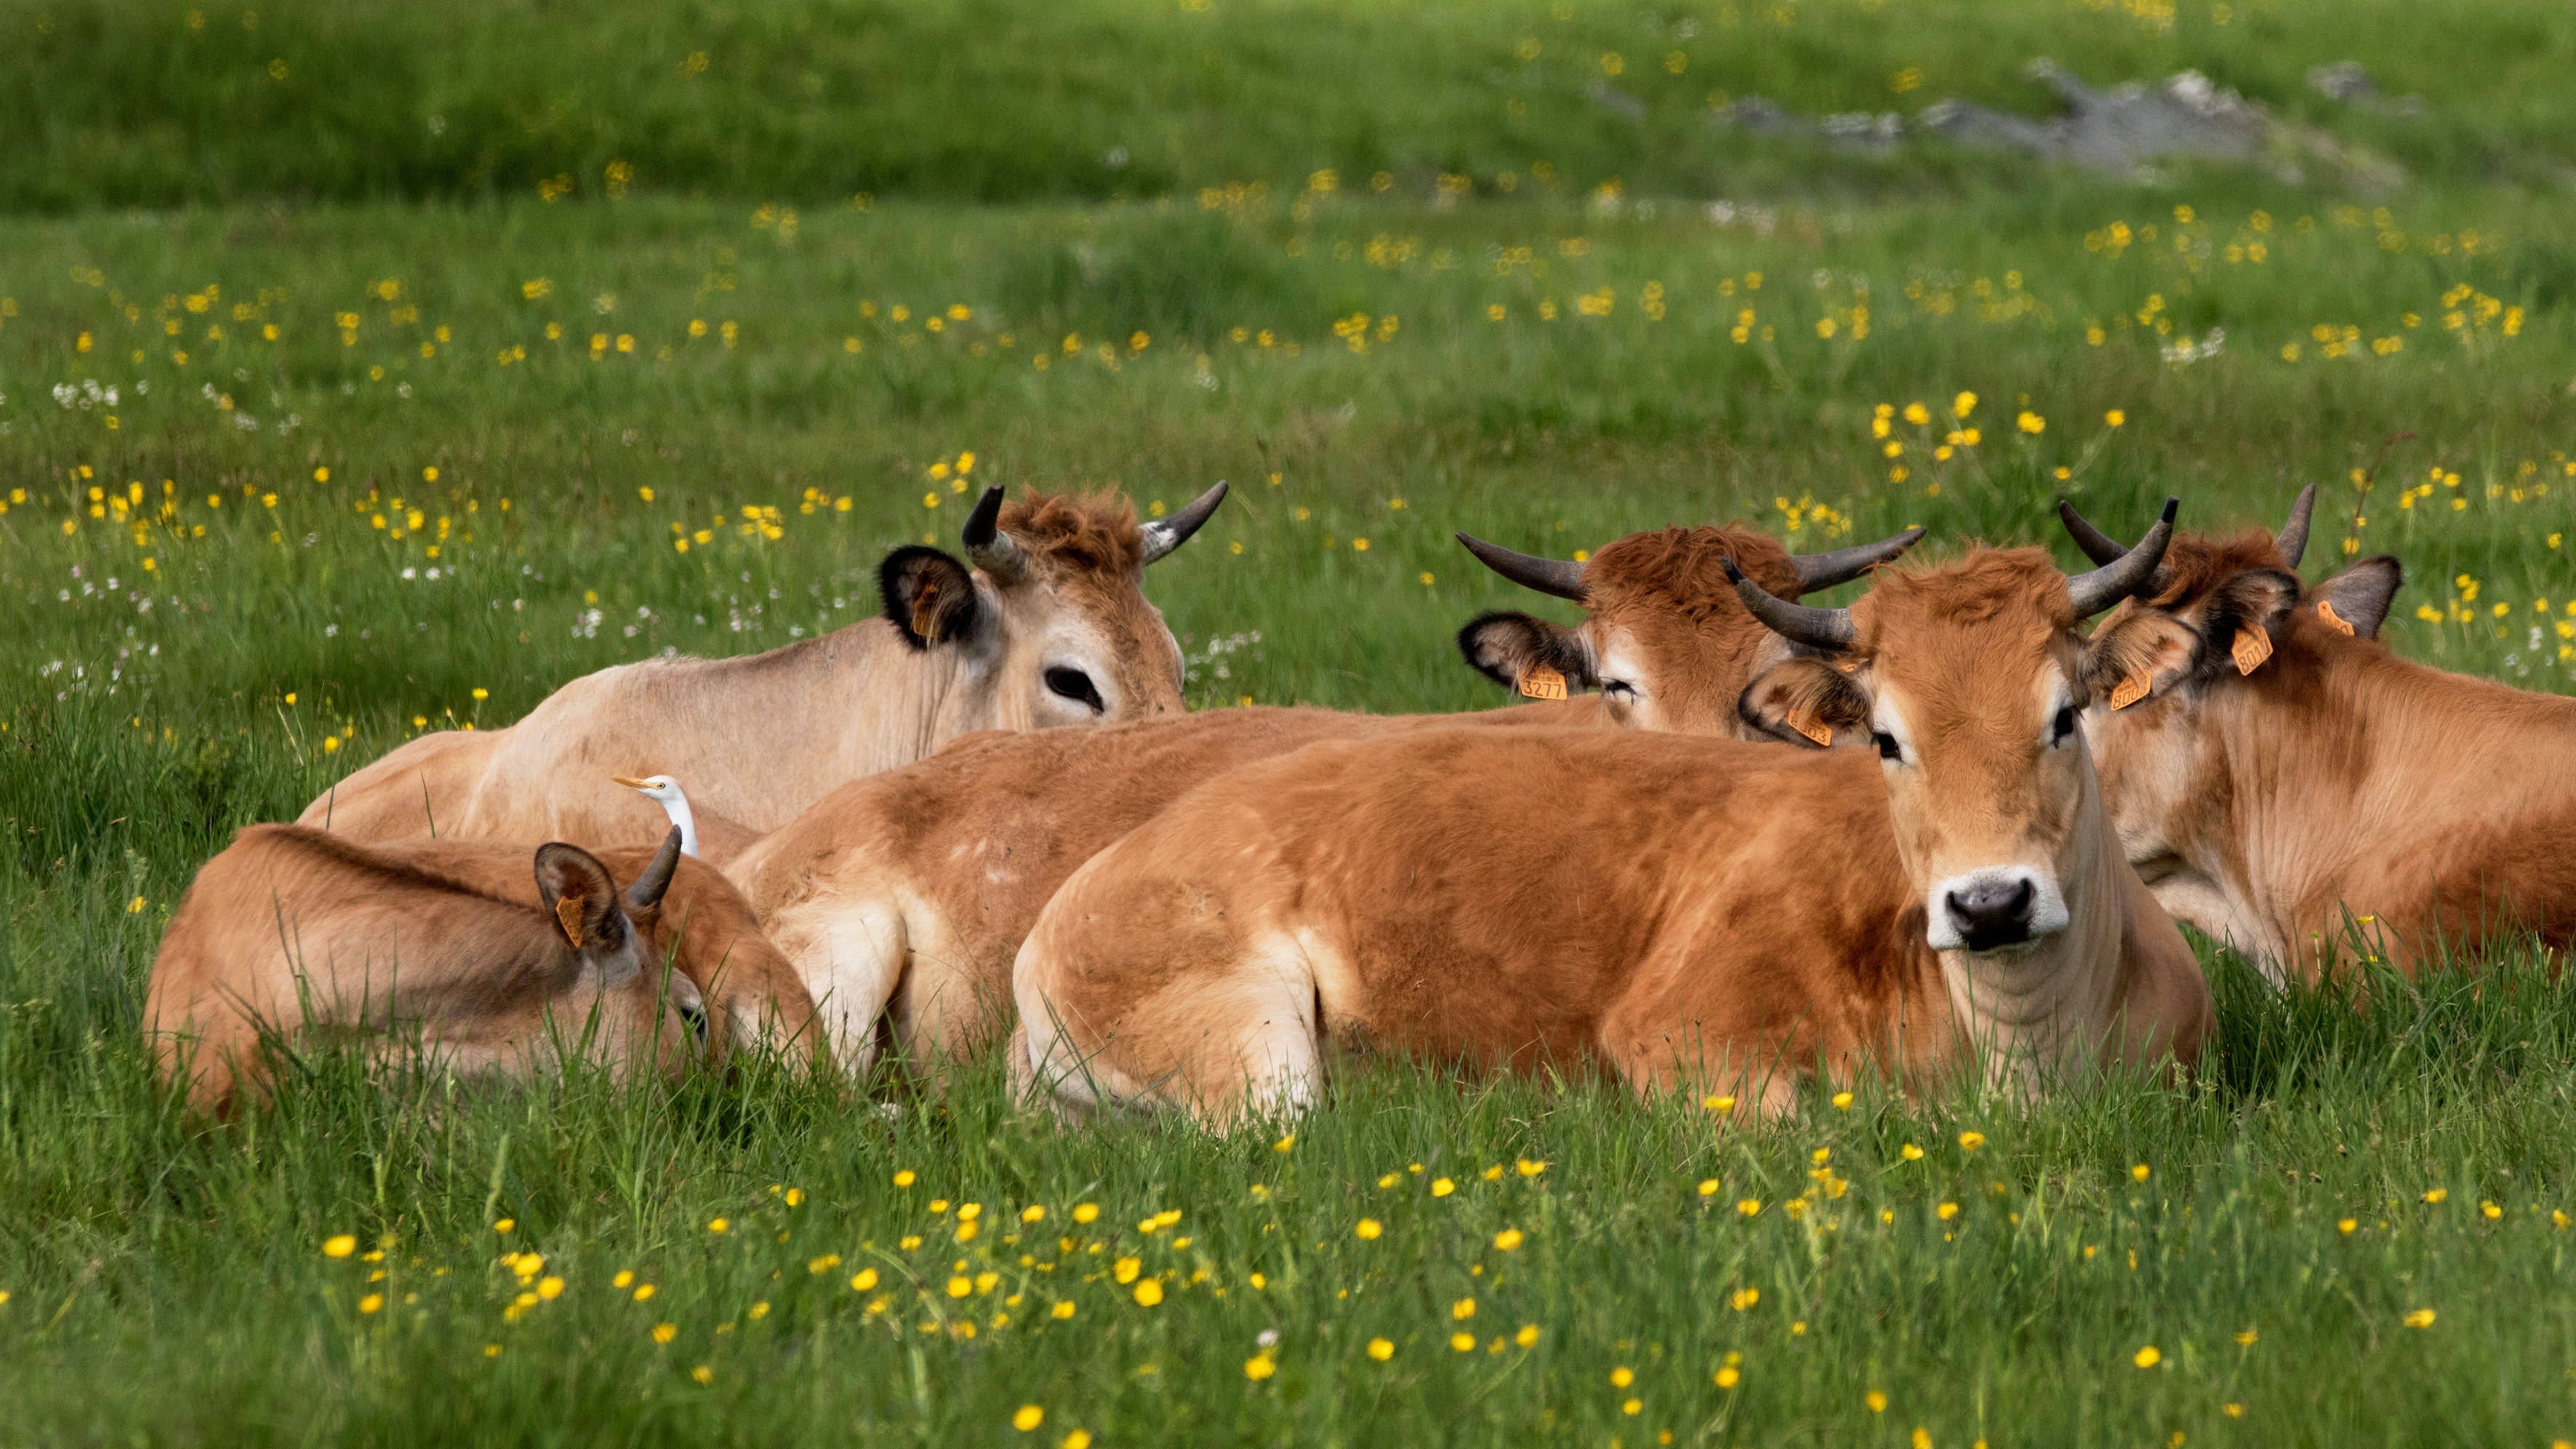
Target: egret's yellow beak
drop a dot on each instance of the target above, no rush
(632, 784)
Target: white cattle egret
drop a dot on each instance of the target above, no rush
(664, 791)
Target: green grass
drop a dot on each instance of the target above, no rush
(166, 1281)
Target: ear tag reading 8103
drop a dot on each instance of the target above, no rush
(2333, 620)
(568, 916)
(1541, 682)
(925, 611)
(1814, 729)
(2132, 689)
(2252, 647)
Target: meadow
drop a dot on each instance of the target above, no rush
(321, 426)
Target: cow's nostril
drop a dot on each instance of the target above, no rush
(1993, 913)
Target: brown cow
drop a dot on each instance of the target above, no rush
(1689, 914)
(1049, 627)
(293, 935)
(909, 893)
(2290, 787)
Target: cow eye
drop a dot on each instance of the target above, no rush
(1888, 749)
(2062, 726)
(1619, 689)
(1075, 685)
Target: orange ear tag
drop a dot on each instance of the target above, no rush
(2132, 689)
(925, 611)
(1814, 729)
(1541, 682)
(568, 916)
(2334, 621)
(2251, 648)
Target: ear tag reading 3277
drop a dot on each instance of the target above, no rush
(2252, 647)
(1541, 682)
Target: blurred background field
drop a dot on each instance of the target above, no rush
(372, 368)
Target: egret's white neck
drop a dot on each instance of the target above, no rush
(677, 807)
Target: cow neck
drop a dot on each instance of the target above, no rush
(2376, 742)
(2037, 1016)
(902, 703)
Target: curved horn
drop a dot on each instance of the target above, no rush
(1824, 570)
(2292, 540)
(646, 892)
(1529, 570)
(987, 546)
(2101, 588)
(2098, 546)
(1818, 628)
(1170, 533)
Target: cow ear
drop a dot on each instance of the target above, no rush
(1808, 702)
(2360, 595)
(1517, 651)
(929, 597)
(2140, 652)
(581, 897)
(2241, 619)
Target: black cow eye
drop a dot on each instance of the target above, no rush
(2062, 726)
(1075, 685)
(1618, 689)
(1888, 749)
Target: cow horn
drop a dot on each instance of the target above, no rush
(987, 546)
(2100, 588)
(1824, 570)
(1170, 533)
(1817, 628)
(2098, 546)
(646, 892)
(1529, 570)
(2293, 538)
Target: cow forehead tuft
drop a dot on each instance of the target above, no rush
(2195, 563)
(1999, 594)
(1683, 570)
(1088, 531)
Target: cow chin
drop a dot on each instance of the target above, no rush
(1994, 910)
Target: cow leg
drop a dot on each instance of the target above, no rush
(1227, 1040)
(851, 957)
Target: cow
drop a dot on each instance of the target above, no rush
(2292, 789)
(462, 952)
(907, 894)
(1938, 893)
(1043, 623)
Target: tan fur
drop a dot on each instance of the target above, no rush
(909, 893)
(756, 739)
(2340, 802)
(299, 936)
(1688, 914)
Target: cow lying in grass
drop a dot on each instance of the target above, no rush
(1049, 626)
(1692, 915)
(2290, 787)
(907, 894)
(459, 952)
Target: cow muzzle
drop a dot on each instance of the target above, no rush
(1999, 908)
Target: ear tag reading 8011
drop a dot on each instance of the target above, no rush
(2333, 620)
(2252, 647)
(568, 916)
(2132, 689)
(1814, 729)
(1541, 682)
(925, 611)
